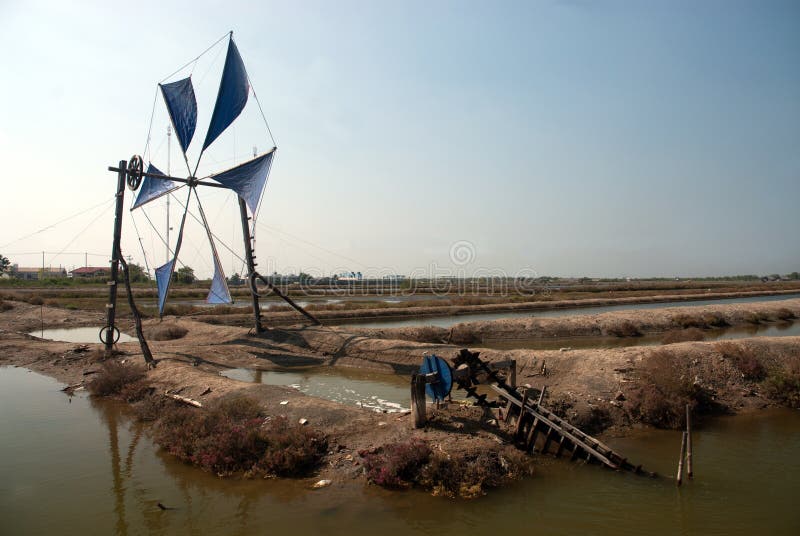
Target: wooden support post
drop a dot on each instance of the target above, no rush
(534, 431)
(679, 476)
(541, 396)
(547, 439)
(689, 471)
(111, 306)
(251, 263)
(418, 403)
(561, 446)
(521, 418)
(512, 373)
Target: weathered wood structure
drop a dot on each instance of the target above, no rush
(537, 429)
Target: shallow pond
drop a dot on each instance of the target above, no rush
(79, 466)
(375, 391)
(78, 335)
(447, 321)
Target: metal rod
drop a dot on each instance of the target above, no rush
(251, 263)
(111, 307)
(193, 182)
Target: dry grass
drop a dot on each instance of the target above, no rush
(744, 359)
(785, 314)
(117, 379)
(624, 328)
(682, 335)
(667, 386)
(234, 436)
(5, 306)
(783, 385)
(412, 462)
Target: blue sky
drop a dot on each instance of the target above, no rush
(560, 138)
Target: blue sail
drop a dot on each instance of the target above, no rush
(153, 188)
(163, 275)
(182, 107)
(248, 179)
(219, 292)
(232, 95)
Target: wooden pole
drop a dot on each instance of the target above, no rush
(679, 477)
(251, 263)
(521, 418)
(541, 396)
(111, 306)
(418, 402)
(512, 374)
(689, 471)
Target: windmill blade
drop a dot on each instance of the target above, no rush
(248, 179)
(165, 271)
(219, 292)
(163, 277)
(182, 108)
(232, 96)
(153, 188)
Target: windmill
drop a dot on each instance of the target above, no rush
(247, 179)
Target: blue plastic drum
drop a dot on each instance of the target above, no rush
(440, 389)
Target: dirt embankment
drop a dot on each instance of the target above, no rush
(284, 318)
(598, 389)
(612, 324)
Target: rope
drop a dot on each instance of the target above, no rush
(144, 254)
(212, 234)
(54, 257)
(345, 257)
(195, 59)
(150, 128)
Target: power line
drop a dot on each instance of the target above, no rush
(59, 222)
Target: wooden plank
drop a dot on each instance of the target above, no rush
(679, 476)
(572, 437)
(534, 431)
(689, 471)
(521, 418)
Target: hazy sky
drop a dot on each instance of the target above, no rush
(561, 138)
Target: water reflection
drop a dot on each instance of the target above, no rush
(55, 479)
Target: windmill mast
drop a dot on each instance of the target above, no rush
(169, 140)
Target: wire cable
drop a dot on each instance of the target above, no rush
(59, 222)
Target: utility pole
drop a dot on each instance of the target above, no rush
(169, 145)
(86, 259)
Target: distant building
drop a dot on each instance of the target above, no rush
(350, 276)
(32, 274)
(91, 271)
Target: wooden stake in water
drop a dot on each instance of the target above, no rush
(679, 477)
(689, 472)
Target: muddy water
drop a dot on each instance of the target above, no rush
(82, 467)
(447, 321)
(778, 329)
(78, 335)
